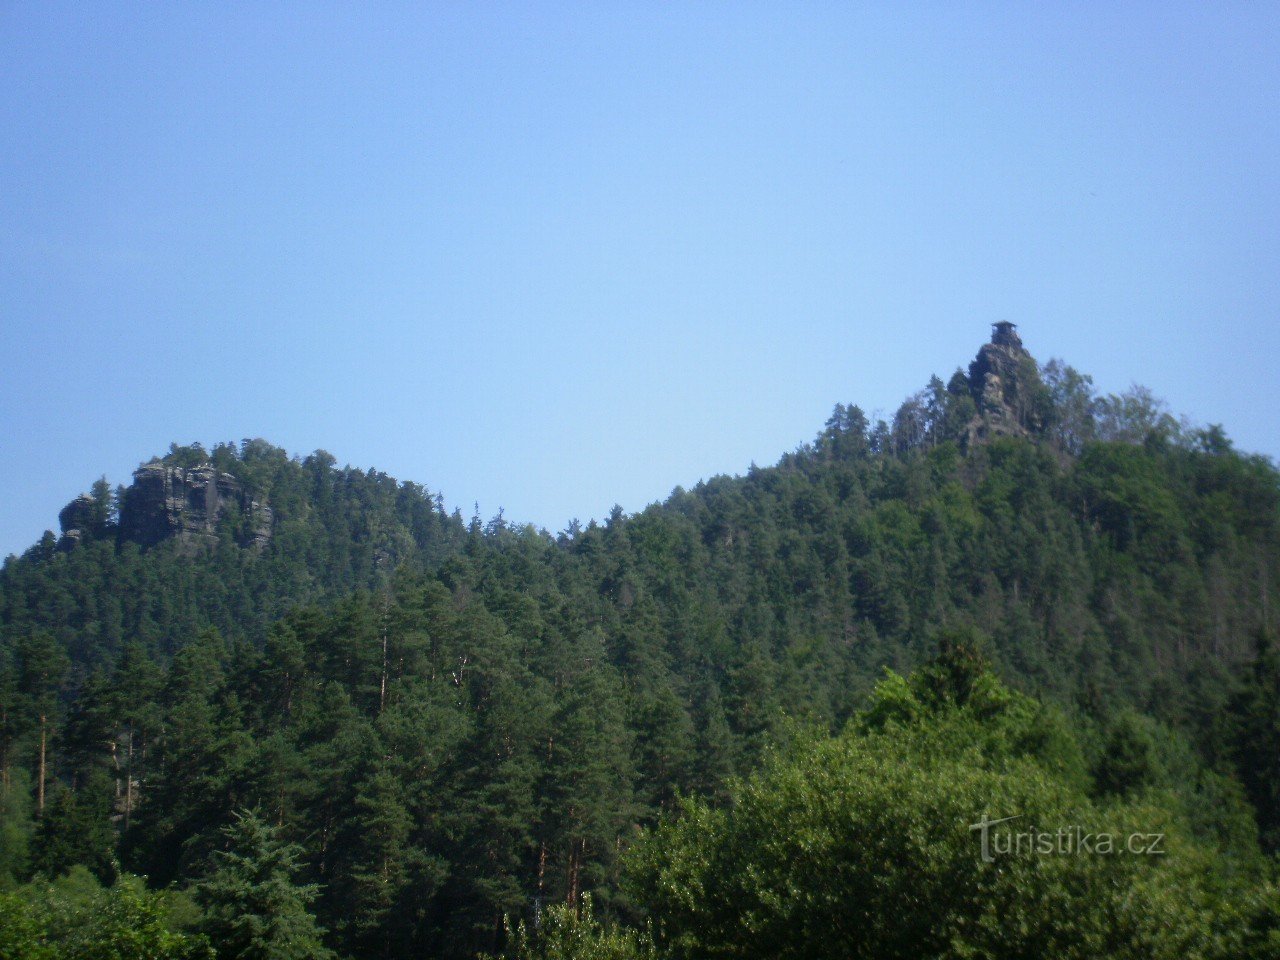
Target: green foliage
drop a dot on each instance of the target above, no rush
(253, 908)
(16, 827)
(953, 676)
(1254, 738)
(22, 934)
(74, 829)
(568, 933)
(863, 846)
(76, 919)
(1128, 762)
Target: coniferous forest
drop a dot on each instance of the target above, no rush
(261, 706)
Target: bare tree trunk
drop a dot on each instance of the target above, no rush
(1263, 589)
(4, 749)
(382, 689)
(573, 875)
(40, 784)
(324, 846)
(128, 779)
(542, 867)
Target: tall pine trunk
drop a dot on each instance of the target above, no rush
(128, 780)
(40, 784)
(4, 749)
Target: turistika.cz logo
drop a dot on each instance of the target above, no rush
(1065, 841)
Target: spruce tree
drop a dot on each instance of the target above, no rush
(254, 910)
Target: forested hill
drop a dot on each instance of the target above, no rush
(229, 538)
(455, 721)
(1098, 540)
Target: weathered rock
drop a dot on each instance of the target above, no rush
(1004, 382)
(70, 539)
(80, 514)
(188, 503)
(79, 520)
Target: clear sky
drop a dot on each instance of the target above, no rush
(555, 257)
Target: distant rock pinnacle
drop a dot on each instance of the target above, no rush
(1004, 382)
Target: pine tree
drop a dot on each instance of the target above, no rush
(1254, 739)
(381, 867)
(41, 666)
(193, 787)
(135, 690)
(75, 829)
(253, 908)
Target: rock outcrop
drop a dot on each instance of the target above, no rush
(78, 520)
(188, 503)
(1004, 382)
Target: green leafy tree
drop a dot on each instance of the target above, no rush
(862, 846)
(566, 932)
(75, 918)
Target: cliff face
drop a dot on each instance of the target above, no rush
(188, 503)
(1005, 385)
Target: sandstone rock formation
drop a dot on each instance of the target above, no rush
(78, 520)
(1004, 382)
(188, 503)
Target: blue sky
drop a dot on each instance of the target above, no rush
(554, 257)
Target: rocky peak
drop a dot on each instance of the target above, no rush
(1004, 382)
(165, 501)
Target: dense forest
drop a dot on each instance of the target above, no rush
(260, 706)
